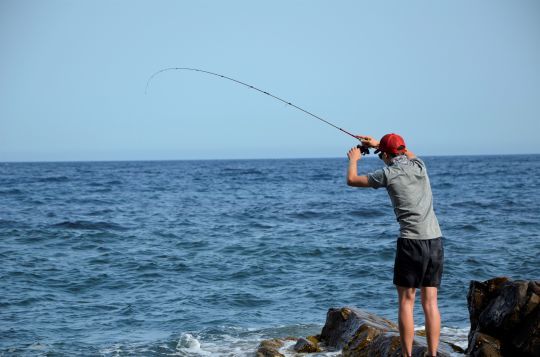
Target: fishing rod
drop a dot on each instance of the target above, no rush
(362, 148)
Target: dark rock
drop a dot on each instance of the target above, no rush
(526, 338)
(315, 339)
(534, 286)
(361, 333)
(507, 312)
(340, 328)
(503, 312)
(484, 345)
(383, 344)
(270, 348)
(306, 345)
(479, 295)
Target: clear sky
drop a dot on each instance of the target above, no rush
(453, 77)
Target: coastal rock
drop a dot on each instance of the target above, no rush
(270, 348)
(505, 317)
(484, 345)
(306, 345)
(360, 333)
(343, 325)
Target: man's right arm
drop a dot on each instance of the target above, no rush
(353, 179)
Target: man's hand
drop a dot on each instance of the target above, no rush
(368, 141)
(352, 172)
(354, 154)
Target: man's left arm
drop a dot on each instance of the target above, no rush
(410, 155)
(353, 179)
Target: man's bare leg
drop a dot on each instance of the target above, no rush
(406, 319)
(433, 318)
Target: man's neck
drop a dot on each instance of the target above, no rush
(398, 159)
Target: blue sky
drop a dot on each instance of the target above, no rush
(453, 77)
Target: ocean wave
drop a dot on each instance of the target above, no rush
(100, 212)
(113, 182)
(7, 223)
(245, 299)
(90, 225)
(308, 214)
(240, 172)
(321, 177)
(474, 204)
(11, 191)
(53, 179)
(366, 213)
(190, 345)
(469, 228)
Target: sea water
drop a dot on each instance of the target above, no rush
(207, 258)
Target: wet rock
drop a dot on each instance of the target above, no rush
(360, 333)
(315, 339)
(343, 324)
(479, 295)
(484, 345)
(505, 317)
(306, 345)
(270, 348)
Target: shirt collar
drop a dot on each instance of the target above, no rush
(401, 159)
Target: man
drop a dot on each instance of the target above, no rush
(419, 253)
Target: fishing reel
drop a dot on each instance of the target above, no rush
(363, 149)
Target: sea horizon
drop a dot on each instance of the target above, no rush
(371, 156)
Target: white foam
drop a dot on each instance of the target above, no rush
(243, 342)
(189, 344)
(37, 346)
(455, 335)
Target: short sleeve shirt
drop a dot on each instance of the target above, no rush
(408, 186)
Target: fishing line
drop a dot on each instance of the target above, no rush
(247, 85)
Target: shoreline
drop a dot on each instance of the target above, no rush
(504, 316)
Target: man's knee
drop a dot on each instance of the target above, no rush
(406, 294)
(429, 297)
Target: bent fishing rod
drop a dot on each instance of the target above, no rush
(362, 148)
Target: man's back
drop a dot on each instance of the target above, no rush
(408, 186)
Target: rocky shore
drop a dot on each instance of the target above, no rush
(504, 316)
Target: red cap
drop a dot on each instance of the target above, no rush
(391, 144)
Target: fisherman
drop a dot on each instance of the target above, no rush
(419, 254)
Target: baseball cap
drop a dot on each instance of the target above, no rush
(391, 144)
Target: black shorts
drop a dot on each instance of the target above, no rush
(419, 262)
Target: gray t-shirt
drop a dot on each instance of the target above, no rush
(407, 183)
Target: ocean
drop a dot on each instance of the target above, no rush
(207, 258)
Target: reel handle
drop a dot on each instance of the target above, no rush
(363, 149)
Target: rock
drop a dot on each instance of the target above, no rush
(505, 318)
(270, 348)
(306, 345)
(340, 327)
(360, 333)
(479, 295)
(484, 345)
(315, 339)
(526, 338)
(503, 312)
